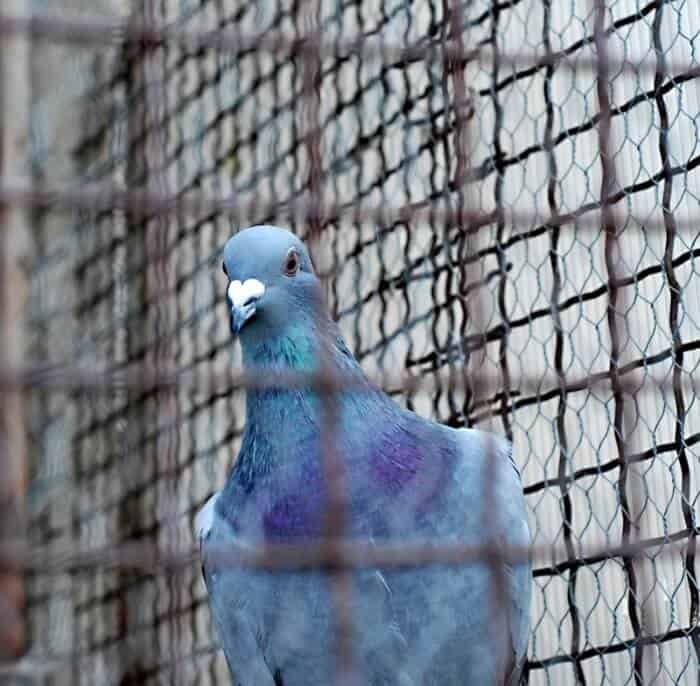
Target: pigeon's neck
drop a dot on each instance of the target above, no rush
(300, 348)
(281, 421)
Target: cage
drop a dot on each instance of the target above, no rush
(501, 200)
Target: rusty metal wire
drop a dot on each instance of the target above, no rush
(103, 32)
(444, 182)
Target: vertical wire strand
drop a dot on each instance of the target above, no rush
(434, 246)
(674, 289)
(500, 224)
(137, 259)
(559, 339)
(17, 86)
(455, 67)
(612, 259)
(161, 289)
(174, 352)
(380, 230)
(408, 233)
(359, 179)
(333, 468)
(504, 411)
(336, 145)
(450, 76)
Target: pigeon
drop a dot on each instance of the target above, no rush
(407, 480)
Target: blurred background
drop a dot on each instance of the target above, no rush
(445, 162)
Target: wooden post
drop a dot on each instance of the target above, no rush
(14, 243)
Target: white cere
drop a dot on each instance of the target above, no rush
(241, 293)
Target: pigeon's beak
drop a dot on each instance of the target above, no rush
(242, 300)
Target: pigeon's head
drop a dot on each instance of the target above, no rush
(272, 286)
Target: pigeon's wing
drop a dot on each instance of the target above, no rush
(230, 603)
(509, 516)
(518, 580)
(381, 644)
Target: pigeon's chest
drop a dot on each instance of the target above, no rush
(392, 477)
(290, 503)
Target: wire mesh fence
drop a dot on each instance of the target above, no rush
(501, 201)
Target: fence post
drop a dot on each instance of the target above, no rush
(14, 242)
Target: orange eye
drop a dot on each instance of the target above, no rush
(291, 263)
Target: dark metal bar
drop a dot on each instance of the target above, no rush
(147, 203)
(161, 278)
(615, 311)
(225, 380)
(675, 292)
(563, 483)
(344, 553)
(499, 599)
(145, 237)
(308, 15)
(15, 99)
(104, 33)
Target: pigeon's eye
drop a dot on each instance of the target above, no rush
(291, 263)
(223, 267)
